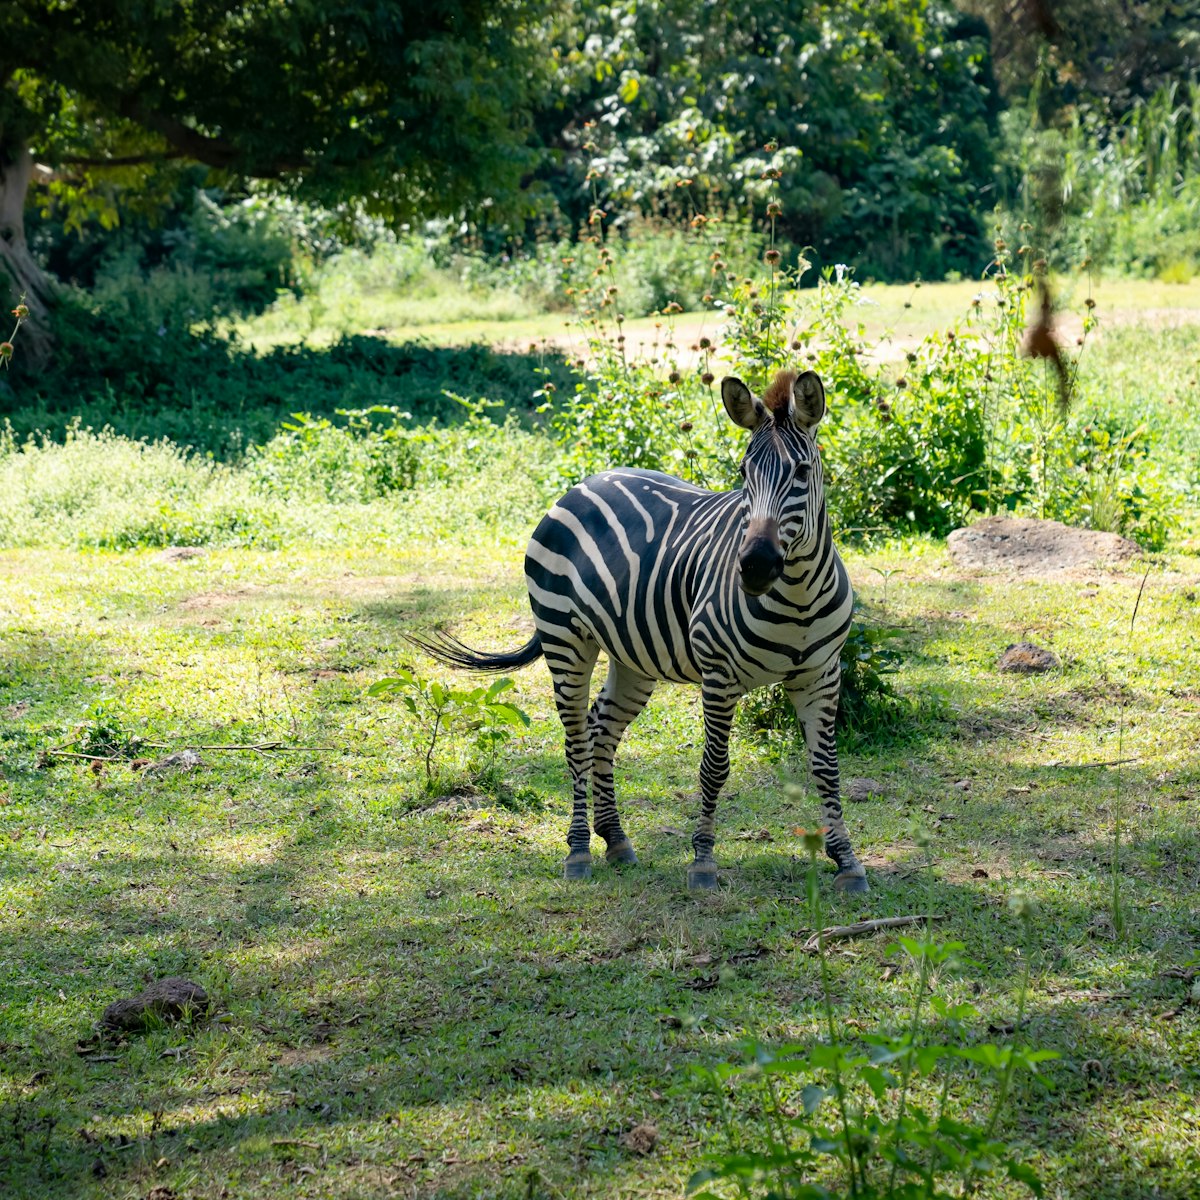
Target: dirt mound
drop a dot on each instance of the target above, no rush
(1030, 547)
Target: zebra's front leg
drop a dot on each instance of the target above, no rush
(571, 669)
(719, 705)
(623, 696)
(816, 711)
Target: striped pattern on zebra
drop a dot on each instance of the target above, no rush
(728, 590)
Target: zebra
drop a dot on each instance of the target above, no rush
(729, 590)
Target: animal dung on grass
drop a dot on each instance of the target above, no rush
(163, 1002)
(1024, 658)
(641, 1139)
(864, 789)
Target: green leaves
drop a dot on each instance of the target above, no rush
(439, 707)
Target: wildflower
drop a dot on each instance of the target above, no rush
(705, 343)
(673, 377)
(774, 209)
(772, 256)
(901, 383)
(21, 311)
(771, 146)
(685, 426)
(1000, 244)
(707, 378)
(1089, 303)
(811, 839)
(707, 298)
(6, 351)
(673, 307)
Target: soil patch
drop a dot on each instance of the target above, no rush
(1025, 546)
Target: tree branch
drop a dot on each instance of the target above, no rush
(211, 151)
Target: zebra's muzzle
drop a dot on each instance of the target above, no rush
(760, 562)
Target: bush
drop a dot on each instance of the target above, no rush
(104, 491)
(311, 458)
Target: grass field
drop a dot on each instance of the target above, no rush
(408, 999)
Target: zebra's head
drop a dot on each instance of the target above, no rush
(781, 469)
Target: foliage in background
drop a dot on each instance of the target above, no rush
(967, 424)
(884, 112)
(1122, 191)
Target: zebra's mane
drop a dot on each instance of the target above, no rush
(778, 396)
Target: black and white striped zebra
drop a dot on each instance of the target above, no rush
(730, 590)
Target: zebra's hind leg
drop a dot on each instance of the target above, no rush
(623, 696)
(571, 665)
(719, 704)
(816, 710)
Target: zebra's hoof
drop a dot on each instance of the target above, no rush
(702, 877)
(622, 854)
(852, 882)
(578, 865)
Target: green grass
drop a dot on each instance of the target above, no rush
(408, 1000)
(453, 316)
(412, 1002)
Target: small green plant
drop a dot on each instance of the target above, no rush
(437, 707)
(854, 1113)
(103, 734)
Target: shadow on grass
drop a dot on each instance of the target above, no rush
(217, 396)
(358, 1002)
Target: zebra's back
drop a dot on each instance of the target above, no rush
(621, 559)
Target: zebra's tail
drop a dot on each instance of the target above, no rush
(449, 650)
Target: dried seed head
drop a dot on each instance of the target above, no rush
(707, 378)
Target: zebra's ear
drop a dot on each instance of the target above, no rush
(740, 404)
(808, 399)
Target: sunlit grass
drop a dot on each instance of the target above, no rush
(415, 993)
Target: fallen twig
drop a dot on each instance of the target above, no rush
(838, 932)
(55, 752)
(1112, 762)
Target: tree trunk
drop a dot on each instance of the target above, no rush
(21, 279)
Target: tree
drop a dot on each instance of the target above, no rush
(883, 113)
(410, 107)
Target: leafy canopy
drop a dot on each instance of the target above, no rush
(412, 107)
